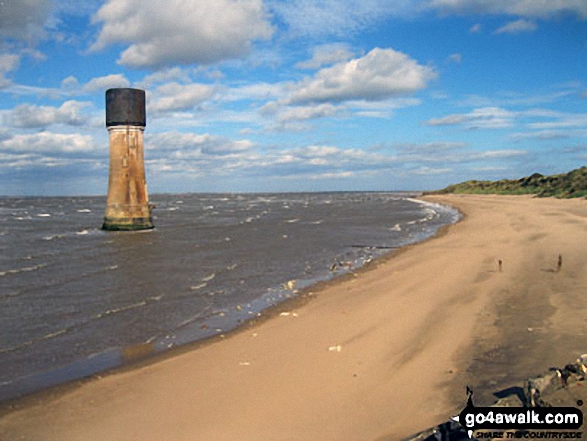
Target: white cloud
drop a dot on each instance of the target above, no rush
(318, 18)
(70, 83)
(380, 74)
(520, 8)
(256, 91)
(476, 28)
(48, 143)
(172, 74)
(8, 63)
(482, 118)
(547, 135)
(431, 171)
(181, 31)
(488, 168)
(455, 58)
(197, 144)
(538, 123)
(541, 135)
(564, 120)
(23, 19)
(432, 147)
(327, 54)
(106, 82)
(448, 120)
(178, 153)
(30, 116)
(173, 96)
(300, 113)
(512, 98)
(517, 26)
(500, 154)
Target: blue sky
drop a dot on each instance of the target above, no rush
(304, 95)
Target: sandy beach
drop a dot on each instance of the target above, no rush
(377, 355)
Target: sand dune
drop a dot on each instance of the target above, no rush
(376, 356)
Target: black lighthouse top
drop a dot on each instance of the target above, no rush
(125, 107)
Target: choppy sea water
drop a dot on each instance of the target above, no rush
(76, 300)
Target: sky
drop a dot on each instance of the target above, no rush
(293, 95)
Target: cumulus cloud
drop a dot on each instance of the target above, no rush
(200, 144)
(48, 143)
(205, 154)
(321, 160)
(520, 8)
(327, 54)
(181, 31)
(373, 85)
(380, 74)
(517, 27)
(23, 19)
(29, 116)
(106, 82)
(175, 97)
(163, 76)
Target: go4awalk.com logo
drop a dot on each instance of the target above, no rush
(535, 422)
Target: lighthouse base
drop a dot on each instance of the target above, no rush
(127, 223)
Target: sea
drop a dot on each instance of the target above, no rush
(76, 300)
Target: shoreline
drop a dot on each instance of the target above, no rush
(410, 328)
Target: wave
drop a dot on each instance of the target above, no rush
(196, 317)
(121, 309)
(17, 347)
(99, 316)
(83, 232)
(55, 334)
(55, 236)
(208, 278)
(22, 270)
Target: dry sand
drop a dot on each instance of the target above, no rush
(377, 356)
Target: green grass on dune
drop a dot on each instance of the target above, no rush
(568, 185)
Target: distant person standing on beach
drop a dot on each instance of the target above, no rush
(560, 263)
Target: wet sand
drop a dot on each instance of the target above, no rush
(376, 356)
